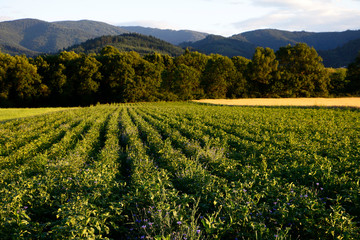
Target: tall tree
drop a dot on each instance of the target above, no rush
(184, 82)
(262, 71)
(53, 75)
(19, 81)
(237, 88)
(219, 73)
(117, 70)
(146, 82)
(353, 75)
(338, 81)
(193, 59)
(302, 72)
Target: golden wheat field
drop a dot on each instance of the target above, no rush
(320, 102)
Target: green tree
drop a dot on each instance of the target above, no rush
(353, 75)
(193, 59)
(87, 78)
(184, 82)
(262, 72)
(302, 72)
(237, 88)
(53, 74)
(83, 77)
(219, 73)
(145, 84)
(19, 81)
(116, 70)
(6, 62)
(338, 81)
(109, 50)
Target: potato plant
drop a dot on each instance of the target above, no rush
(181, 171)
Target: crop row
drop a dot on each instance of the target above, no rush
(181, 171)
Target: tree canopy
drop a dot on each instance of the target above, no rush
(69, 78)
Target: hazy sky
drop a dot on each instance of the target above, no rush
(223, 17)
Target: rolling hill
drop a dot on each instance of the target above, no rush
(341, 56)
(171, 36)
(275, 39)
(221, 45)
(32, 37)
(128, 42)
(337, 48)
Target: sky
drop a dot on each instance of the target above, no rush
(221, 17)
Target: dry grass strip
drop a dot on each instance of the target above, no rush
(309, 102)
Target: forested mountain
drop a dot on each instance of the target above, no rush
(128, 42)
(171, 36)
(275, 39)
(221, 45)
(341, 56)
(336, 48)
(32, 36)
(92, 27)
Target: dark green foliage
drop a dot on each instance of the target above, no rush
(262, 72)
(302, 72)
(72, 79)
(219, 73)
(230, 47)
(275, 39)
(337, 49)
(237, 88)
(193, 59)
(184, 82)
(338, 82)
(117, 71)
(353, 74)
(20, 84)
(341, 56)
(144, 86)
(128, 42)
(171, 36)
(32, 36)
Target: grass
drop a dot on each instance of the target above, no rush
(14, 113)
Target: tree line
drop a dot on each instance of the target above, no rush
(72, 79)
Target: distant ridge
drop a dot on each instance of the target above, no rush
(275, 39)
(172, 36)
(341, 56)
(92, 27)
(128, 42)
(245, 43)
(221, 45)
(33, 37)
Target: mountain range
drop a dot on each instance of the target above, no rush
(128, 42)
(33, 37)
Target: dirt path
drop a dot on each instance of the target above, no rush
(328, 102)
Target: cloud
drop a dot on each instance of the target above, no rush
(318, 16)
(291, 3)
(147, 23)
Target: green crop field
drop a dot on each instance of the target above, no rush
(181, 171)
